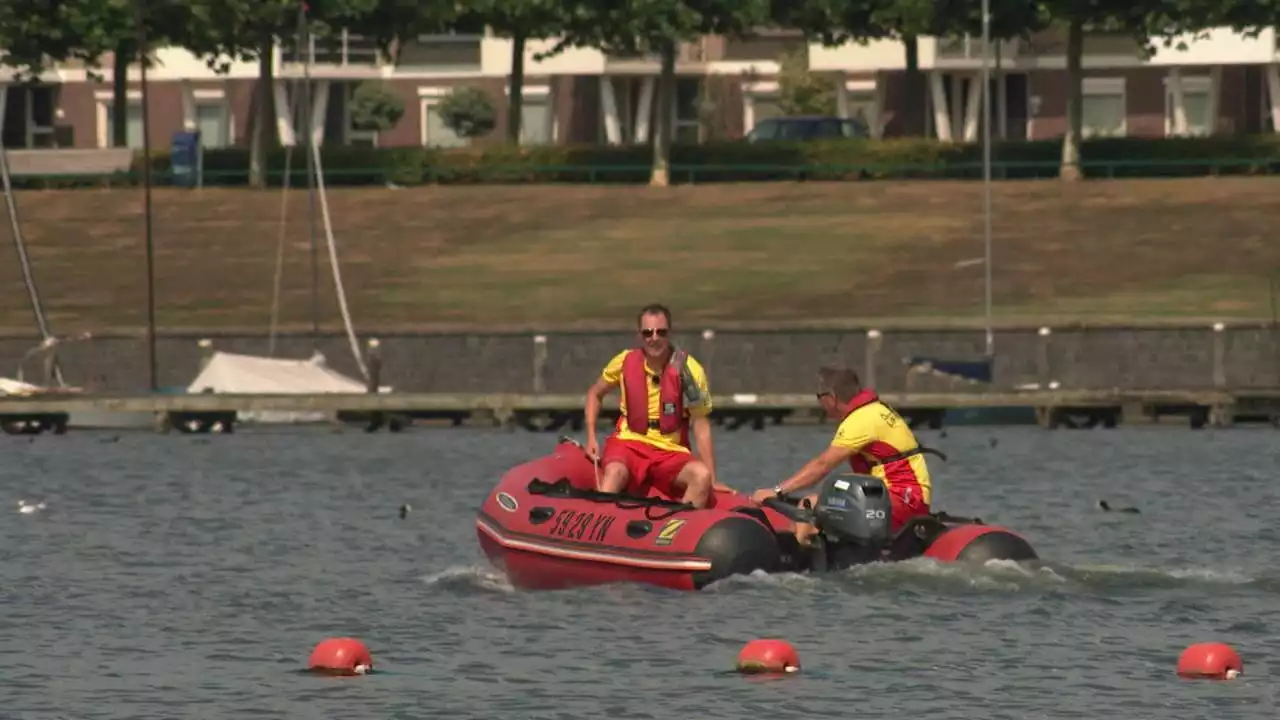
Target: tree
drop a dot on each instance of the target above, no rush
(36, 34)
(1144, 20)
(1246, 17)
(645, 26)
(221, 31)
(835, 22)
(394, 22)
(800, 92)
(469, 112)
(519, 20)
(375, 107)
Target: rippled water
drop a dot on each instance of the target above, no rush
(175, 577)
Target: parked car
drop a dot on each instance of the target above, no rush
(807, 127)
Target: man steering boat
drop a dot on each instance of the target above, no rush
(874, 439)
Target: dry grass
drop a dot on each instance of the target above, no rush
(561, 256)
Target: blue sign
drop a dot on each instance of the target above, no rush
(186, 159)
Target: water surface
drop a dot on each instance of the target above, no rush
(175, 577)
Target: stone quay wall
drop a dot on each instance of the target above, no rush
(783, 361)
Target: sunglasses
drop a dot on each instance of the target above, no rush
(650, 332)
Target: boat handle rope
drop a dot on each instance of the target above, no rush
(563, 488)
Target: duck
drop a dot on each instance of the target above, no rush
(27, 508)
(1102, 504)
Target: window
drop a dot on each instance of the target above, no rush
(339, 47)
(535, 115)
(434, 133)
(760, 104)
(535, 121)
(453, 54)
(207, 111)
(861, 107)
(862, 111)
(1271, 92)
(133, 128)
(303, 100)
(339, 122)
(1103, 112)
(1197, 100)
(27, 116)
(211, 121)
(1271, 96)
(687, 125)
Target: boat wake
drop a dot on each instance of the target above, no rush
(468, 578)
(927, 575)
(1002, 576)
(1134, 576)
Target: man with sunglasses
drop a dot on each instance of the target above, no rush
(664, 392)
(874, 439)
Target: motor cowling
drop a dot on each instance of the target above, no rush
(854, 510)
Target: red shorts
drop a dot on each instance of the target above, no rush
(907, 503)
(646, 464)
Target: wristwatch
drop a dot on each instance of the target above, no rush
(777, 489)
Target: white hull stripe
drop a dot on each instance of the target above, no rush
(611, 558)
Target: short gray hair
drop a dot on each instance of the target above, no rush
(840, 380)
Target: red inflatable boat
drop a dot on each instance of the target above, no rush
(547, 527)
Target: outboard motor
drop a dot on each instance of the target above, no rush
(853, 513)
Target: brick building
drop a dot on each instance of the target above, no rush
(1226, 84)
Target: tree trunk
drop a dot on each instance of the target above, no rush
(1070, 169)
(666, 90)
(262, 118)
(913, 85)
(515, 92)
(124, 53)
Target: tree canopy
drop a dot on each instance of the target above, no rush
(34, 33)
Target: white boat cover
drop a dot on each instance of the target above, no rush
(17, 387)
(250, 374)
(254, 375)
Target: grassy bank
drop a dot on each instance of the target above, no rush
(557, 256)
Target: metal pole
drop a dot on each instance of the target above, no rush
(146, 190)
(986, 164)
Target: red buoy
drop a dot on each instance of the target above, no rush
(768, 656)
(1210, 660)
(340, 656)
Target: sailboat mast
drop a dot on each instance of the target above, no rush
(304, 35)
(986, 169)
(6, 179)
(20, 245)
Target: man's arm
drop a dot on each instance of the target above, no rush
(850, 437)
(816, 469)
(706, 449)
(700, 420)
(610, 378)
(595, 394)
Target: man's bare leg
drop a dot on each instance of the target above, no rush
(695, 480)
(614, 477)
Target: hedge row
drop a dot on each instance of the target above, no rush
(854, 159)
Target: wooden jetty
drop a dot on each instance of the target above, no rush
(206, 412)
